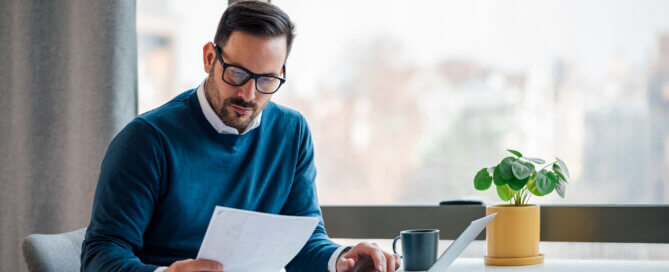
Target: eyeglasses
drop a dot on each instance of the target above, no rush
(238, 76)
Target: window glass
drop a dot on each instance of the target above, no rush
(407, 100)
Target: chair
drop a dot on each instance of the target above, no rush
(54, 252)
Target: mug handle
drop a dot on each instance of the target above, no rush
(395, 243)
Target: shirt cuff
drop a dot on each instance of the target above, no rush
(160, 269)
(332, 264)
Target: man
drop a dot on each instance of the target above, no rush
(223, 143)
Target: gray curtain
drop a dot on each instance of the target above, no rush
(68, 81)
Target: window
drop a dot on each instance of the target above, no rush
(170, 37)
(408, 99)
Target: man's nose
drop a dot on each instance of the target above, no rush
(248, 90)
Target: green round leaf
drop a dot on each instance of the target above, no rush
(552, 177)
(559, 178)
(536, 160)
(563, 166)
(558, 172)
(546, 182)
(504, 192)
(517, 184)
(532, 187)
(515, 153)
(560, 187)
(497, 177)
(505, 167)
(482, 180)
(529, 165)
(521, 170)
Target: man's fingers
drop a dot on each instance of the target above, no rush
(379, 259)
(390, 262)
(201, 265)
(345, 264)
(384, 262)
(349, 263)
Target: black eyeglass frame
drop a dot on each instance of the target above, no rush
(252, 75)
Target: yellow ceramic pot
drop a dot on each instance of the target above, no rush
(513, 236)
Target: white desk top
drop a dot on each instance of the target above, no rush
(476, 264)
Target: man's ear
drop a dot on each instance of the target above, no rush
(208, 56)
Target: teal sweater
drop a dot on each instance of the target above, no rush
(164, 173)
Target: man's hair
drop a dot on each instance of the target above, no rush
(255, 18)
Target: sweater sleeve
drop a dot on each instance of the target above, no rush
(124, 200)
(303, 201)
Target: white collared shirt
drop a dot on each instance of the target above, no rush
(222, 128)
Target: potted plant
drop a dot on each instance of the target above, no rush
(513, 236)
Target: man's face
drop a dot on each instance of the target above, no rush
(237, 106)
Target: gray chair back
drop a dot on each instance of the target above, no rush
(54, 252)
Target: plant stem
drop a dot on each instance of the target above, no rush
(527, 197)
(520, 197)
(542, 168)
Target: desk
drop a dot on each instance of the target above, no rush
(476, 265)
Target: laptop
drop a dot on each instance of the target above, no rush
(459, 245)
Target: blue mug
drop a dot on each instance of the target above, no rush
(419, 248)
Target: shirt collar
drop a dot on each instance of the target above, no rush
(216, 121)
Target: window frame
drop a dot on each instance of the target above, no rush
(559, 223)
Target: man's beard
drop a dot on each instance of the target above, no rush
(232, 118)
(235, 119)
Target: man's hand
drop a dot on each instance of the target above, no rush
(367, 257)
(195, 265)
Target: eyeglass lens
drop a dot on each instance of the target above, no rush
(237, 76)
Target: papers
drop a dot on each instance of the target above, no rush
(252, 241)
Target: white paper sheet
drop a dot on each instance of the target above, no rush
(246, 241)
